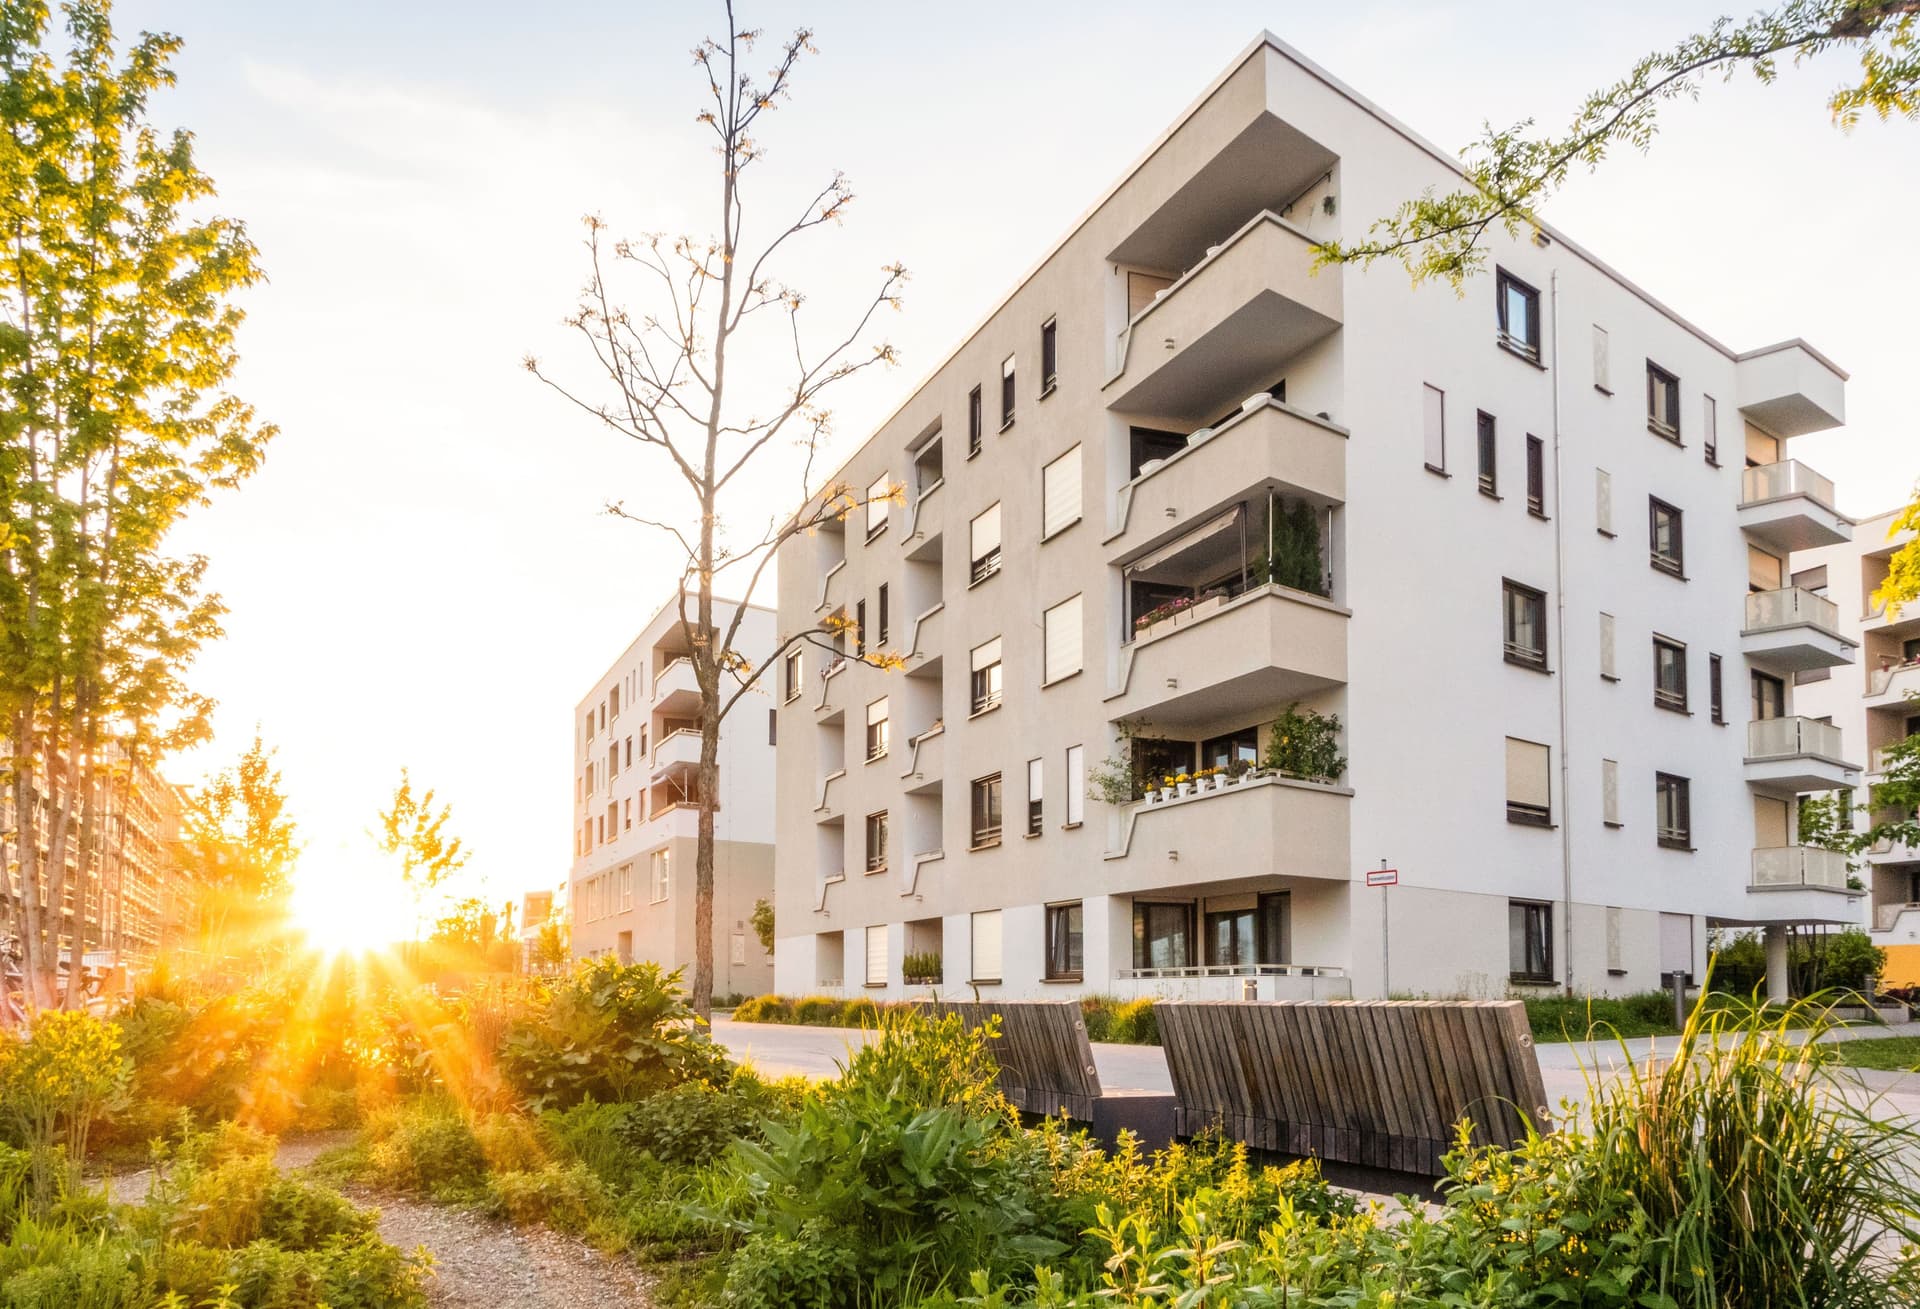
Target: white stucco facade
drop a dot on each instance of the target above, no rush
(1226, 402)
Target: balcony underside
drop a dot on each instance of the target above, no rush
(1800, 774)
(1267, 647)
(1279, 826)
(1796, 906)
(1794, 522)
(1796, 649)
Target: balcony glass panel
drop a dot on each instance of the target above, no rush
(1788, 477)
(1791, 606)
(1265, 540)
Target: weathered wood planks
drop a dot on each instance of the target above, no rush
(1046, 1061)
(1379, 1084)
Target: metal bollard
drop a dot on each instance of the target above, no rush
(1677, 979)
(1250, 988)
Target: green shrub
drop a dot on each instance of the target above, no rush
(689, 1124)
(859, 1013)
(1306, 745)
(763, 1009)
(817, 1011)
(596, 1135)
(1096, 1011)
(424, 1147)
(568, 1197)
(358, 1273)
(245, 1199)
(1134, 1023)
(509, 1143)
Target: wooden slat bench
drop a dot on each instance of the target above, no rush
(1377, 1084)
(1046, 1061)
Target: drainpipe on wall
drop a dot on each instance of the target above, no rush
(1560, 623)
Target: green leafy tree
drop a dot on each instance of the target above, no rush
(1902, 586)
(552, 946)
(239, 846)
(683, 377)
(116, 349)
(1893, 802)
(762, 921)
(415, 832)
(473, 933)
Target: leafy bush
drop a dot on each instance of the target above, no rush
(244, 1200)
(689, 1124)
(1096, 1011)
(817, 1011)
(1306, 745)
(1847, 959)
(569, 1197)
(1580, 1018)
(1134, 1023)
(358, 1273)
(424, 1147)
(54, 1084)
(763, 1009)
(860, 1013)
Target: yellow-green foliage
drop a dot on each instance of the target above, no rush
(53, 1085)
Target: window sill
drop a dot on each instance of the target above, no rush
(973, 452)
(1063, 979)
(876, 758)
(1609, 677)
(984, 710)
(983, 578)
(1030, 836)
(1527, 979)
(875, 986)
(1541, 514)
(1666, 844)
(872, 872)
(1676, 574)
(983, 981)
(1607, 532)
(1616, 972)
(1437, 472)
(1603, 390)
(1532, 666)
(875, 533)
(1004, 426)
(1053, 384)
(1524, 354)
(1055, 535)
(1541, 821)
(1614, 823)
(1068, 827)
(791, 697)
(1064, 677)
(1491, 494)
(994, 844)
(1680, 709)
(1670, 435)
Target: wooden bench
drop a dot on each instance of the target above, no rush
(1377, 1084)
(1046, 1061)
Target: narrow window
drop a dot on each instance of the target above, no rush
(1518, 307)
(879, 500)
(1530, 941)
(1065, 955)
(1536, 477)
(1716, 692)
(974, 422)
(1060, 633)
(1610, 792)
(1076, 796)
(1665, 539)
(1674, 811)
(986, 946)
(1529, 788)
(1489, 471)
(660, 878)
(791, 673)
(877, 842)
(1663, 402)
(859, 628)
(877, 955)
(1669, 674)
(1060, 494)
(1036, 815)
(1049, 357)
(1608, 669)
(1710, 424)
(1433, 418)
(613, 703)
(1603, 501)
(773, 727)
(1006, 393)
(985, 685)
(986, 811)
(983, 536)
(880, 625)
(877, 729)
(1764, 570)
(1602, 365)
(1769, 697)
(1525, 625)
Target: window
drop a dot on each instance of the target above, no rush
(880, 627)
(1076, 785)
(613, 820)
(1489, 472)
(613, 703)
(1716, 699)
(1525, 629)
(1530, 941)
(1663, 402)
(877, 955)
(613, 761)
(626, 886)
(974, 422)
(1608, 669)
(626, 816)
(589, 724)
(986, 946)
(1764, 571)
(1162, 935)
(1602, 369)
(986, 811)
(1224, 751)
(877, 729)
(1036, 816)
(1603, 501)
(1060, 635)
(1536, 477)
(773, 727)
(877, 842)
(1060, 494)
(1049, 357)
(1529, 789)
(1610, 792)
(1669, 674)
(928, 468)
(859, 628)
(1065, 942)
(983, 536)
(1673, 811)
(1664, 537)
(879, 500)
(985, 685)
(1006, 393)
(590, 783)
(1710, 427)
(1769, 697)
(1519, 313)
(629, 752)
(790, 674)
(659, 876)
(1433, 417)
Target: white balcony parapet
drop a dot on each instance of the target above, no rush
(1885, 916)
(826, 585)
(1777, 481)
(1231, 970)
(1791, 606)
(1793, 867)
(1880, 681)
(1793, 737)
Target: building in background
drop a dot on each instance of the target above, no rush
(636, 757)
(1180, 492)
(536, 911)
(1871, 703)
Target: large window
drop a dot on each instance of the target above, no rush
(1060, 494)
(986, 811)
(986, 946)
(1530, 941)
(975, 422)
(1536, 477)
(1663, 402)
(1524, 629)
(1669, 674)
(659, 876)
(877, 729)
(1519, 312)
(1076, 794)
(1036, 807)
(1433, 419)
(1049, 356)
(1489, 465)
(1066, 956)
(877, 842)
(983, 538)
(1006, 393)
(984, 688)
(1665, 539)
(1162, 935)
(1529, 785)
(1060, 632)
(1673, 811)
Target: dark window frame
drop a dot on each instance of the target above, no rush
(1536, 961)
(1716, 690)
(1674, 564)
(1661, 382)
(876, 853)
(1009, 390)
(1049, 357)
(1059, 943)
(1513, 651)
(1664, 697)
(985, 835)
(880, 624)
(1536, 476)
(976, 420)
(1527, 344)
(1673, 838)
(1487, 450)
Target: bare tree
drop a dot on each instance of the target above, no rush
(664, 382)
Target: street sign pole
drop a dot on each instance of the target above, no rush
(1384, 877)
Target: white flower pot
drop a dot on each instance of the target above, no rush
(1184, 788)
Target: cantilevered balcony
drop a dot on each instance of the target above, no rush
(1800, 867)
(1228, 325)
(1267, 445)
(1891, 686)
(1792, 630)
(1270, 824)
(1232, 656)
(1790, 389)
(1789, 756)
(677, 751)
(1788, 506)
(675, 689)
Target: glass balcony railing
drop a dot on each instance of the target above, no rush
(1799, 865)
(1791, 738)
(1788, 477)
(1789, 607)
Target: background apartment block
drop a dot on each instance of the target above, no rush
(636, 756)
(1870, 704)
(1178, 482)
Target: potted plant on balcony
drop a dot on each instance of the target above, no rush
(1306, 745)
(1237, 771)
(921, 968)
(1166, 615)
(1183, 783)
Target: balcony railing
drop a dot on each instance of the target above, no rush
(1788, 477)
(1880, 679)
(1886, 915)
(1791, 738)
(1231, 970)
(1781, 866)
(1790, 607)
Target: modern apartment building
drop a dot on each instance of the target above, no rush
(1876, 704)
(636, 756)
(1179, 483)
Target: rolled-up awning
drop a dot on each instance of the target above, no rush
(1205, 534)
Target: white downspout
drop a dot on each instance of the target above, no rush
(1560, 623)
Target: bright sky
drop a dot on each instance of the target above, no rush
(422, 574)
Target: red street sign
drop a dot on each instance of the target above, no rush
(1383, 877)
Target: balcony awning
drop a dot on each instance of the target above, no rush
(1205, 541)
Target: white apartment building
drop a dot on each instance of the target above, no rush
(636, 757)
(1872, 704)
(1178, 482)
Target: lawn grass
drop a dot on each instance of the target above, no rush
(1894, 1054)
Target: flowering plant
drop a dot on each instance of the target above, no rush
(1167, 610)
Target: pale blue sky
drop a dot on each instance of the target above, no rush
(421, 574)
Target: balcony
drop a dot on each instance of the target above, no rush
(677, 752)
(924, 648)
(832, 802)
(1886, 918)
(1890, 685)
(829, 709)
(675, 689)
(926, 758)
(1232, 657)
(1271, 824)
(1792, 631)
(1228, 982)
(1790, 389)
(1800, 867)
(1788, 506)
(1227, 326)
(1267, 445)
(1788, 756)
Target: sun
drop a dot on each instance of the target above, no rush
(349, 905)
